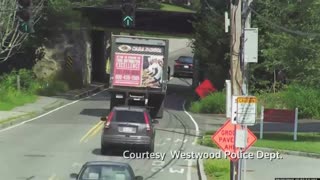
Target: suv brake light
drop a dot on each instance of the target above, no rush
(146, 118)
(109, 120)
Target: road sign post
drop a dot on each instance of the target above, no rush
(225, 139)
(244, 110)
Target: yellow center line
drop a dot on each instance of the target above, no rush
(98, 129)
(91, 130)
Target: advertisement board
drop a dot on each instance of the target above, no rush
(138, 65)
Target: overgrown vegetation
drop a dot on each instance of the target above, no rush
(30, 87)
(213, 103)
(290, 97)
(294, 96)
(217, 169)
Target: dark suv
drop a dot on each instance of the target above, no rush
(128, 126)
(183, 66)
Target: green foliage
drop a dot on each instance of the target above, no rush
(11, 96)
(211, 44)
(30, 87)
(294, 96)
(296, 53)
(287, 41)
(154, 4)
(168, 7)
(54, 88)
(213, 103)
(217, 169)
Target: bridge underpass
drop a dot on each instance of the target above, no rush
(103, 21)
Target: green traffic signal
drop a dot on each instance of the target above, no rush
(128, 21)
(25, 27)
(128, 9)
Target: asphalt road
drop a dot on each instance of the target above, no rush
(55, 145)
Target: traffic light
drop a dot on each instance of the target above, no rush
(128, 8)
(24, 14)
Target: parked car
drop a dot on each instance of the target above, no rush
(128, 126)
(183, 66)
(105, 170)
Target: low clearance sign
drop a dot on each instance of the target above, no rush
(225, 139)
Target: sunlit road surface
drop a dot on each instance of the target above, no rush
(56, 145)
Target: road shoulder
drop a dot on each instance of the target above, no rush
(43, 105)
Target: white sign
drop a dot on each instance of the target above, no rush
(251, 45)
(244, 110)
(241, 138)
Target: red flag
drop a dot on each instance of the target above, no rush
(205, 88)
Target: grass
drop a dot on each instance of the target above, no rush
(217, 169)
(307, 142)
(291, 97)
(17, 100)
(30, 88)
(213, 103)
(169, 7)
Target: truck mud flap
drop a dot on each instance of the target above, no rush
(157, 102)
(117, 99)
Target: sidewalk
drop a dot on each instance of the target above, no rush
(45, 104)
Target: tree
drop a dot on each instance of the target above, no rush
(11, 38)
(289, 35)
(211, 43)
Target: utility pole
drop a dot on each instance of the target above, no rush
(236, 74)
(247, 24)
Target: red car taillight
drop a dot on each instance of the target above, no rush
(109, 120)
(146, 118)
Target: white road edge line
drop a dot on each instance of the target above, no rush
(189, 173)
(54, 110)
(194, 142)
(194, 122)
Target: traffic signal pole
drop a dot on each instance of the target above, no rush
(236, 75)
(24, 13)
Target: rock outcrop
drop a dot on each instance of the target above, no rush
(67, 56)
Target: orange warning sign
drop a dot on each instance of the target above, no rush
(225, 138)
(246, 100)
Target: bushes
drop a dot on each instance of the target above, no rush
(213, 103)
(30, 87)
(305, 98)
(11, 96)
(53, 88)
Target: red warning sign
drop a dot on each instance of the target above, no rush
(205, 88)
(225, 138)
